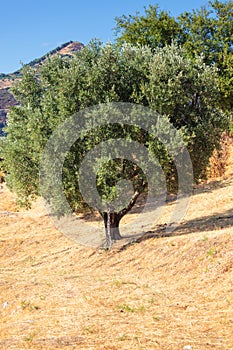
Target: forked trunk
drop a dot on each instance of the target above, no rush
(111, 223)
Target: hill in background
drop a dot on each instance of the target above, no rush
(7, 100)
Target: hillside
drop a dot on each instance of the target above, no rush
(7, 100)
(161, 293)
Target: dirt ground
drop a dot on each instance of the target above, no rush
(162, 293)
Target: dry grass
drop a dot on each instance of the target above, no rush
(218, 161)
(162, 293)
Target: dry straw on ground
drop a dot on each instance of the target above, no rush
(161, 293)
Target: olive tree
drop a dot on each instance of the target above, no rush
(183, 91)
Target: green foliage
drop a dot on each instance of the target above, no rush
(155, 28)
(209, 32)
(212, 251)
(127, 308)
(182, 90)
(206, 31)
(186, 91)
(231, 127)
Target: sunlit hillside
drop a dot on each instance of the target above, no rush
(161, 293)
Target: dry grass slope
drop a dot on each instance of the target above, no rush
(162, 293)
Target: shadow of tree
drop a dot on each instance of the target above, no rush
(207, 187)
(214, 222)
(210, 222)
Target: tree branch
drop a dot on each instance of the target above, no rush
(133, 200)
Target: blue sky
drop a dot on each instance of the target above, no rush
(29, 29)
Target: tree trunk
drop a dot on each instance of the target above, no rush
(111, 223)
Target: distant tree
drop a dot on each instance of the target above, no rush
(155, 28)
(207, 31)
(182, 90)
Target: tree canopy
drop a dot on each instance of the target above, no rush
(207, 31)
(183, 90)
